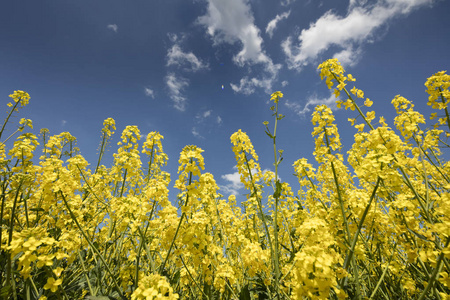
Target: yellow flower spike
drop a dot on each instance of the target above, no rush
(276, 96)
(20, 96)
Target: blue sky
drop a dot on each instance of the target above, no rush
(161, 64)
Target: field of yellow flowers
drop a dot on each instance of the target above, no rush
(373, 226)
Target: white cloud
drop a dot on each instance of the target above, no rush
(196, 133)
(149, 92)
(348, 33)
(176, 86)
(311, 103)
(273, 23)
(113, 27)
(234, 183)
(232, 21)
(287, 2)
(207, 113)
(219, 120)
(176, 56)
(63, 122)
(201, 116)
(284, 83)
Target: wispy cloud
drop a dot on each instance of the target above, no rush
(205, 122)
(176, 85)
(311, 102)
(232, 21)
(188, 60)
(273, 23)
(196, 133)
(287, 2)
(347, 33)
(201, 116)
(149, 92)
(113, 27)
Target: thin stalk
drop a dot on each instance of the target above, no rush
(260, 208)
(72, 215)
(85, 274)
(123, 182)
(9, 116)
(383, 274)
(9, 275)
(358, 230)
(446, 110)
(138, 256)
(101, 152)
(435, 274)
(190, 275)
(183, 215)
(276, 197)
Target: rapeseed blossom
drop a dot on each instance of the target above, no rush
(369, 223)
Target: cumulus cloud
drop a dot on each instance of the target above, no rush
(113, 27)
(176, 85)
(176, 57)
(273, 23)
(232, 21)
(149, 92)
(219, 120)
(234, 183)
(311, 102)
(347, 33)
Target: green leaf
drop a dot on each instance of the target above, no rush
(245, 293)
(277, 193)
(7, 291)
(422, 237)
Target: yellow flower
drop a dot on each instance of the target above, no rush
(368, 103)
(350, 77)
(360, 127)
(52, 284)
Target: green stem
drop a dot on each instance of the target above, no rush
(276, 196)
(358, 230)
(7, 118)
(435, 275)
(9, 275)
(72, 215)
(183, 214)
